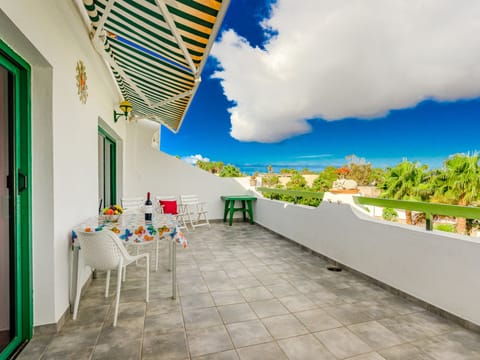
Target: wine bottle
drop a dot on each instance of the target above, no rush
(148, 208)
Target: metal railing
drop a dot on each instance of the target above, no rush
(429, 209)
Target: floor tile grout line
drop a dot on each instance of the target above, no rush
(143, 329)
(291, 278)
(187, 344)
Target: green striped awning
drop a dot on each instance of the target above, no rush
(156, 50)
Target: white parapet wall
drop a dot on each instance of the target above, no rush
(438, 268)
(148, 169)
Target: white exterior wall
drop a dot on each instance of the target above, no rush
(148, 169)
(439, 268)
(51, 37)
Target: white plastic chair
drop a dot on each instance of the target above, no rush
(103, 250)
(194, 211)
(180, 215)
(134, 203)
(138, 246)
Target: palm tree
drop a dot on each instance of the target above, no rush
(230, 171)
(402, 182)
(459, 183)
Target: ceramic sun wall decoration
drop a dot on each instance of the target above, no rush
(82, 82)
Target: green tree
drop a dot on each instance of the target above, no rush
(288, 171)
(402, 181)
(459, 183)
(201, 164)
(365, 175)
(432, 180)
(325, 179)
(306, 171)
(361, 173)
(230, 171)
(377, 176)
(270, 169)
(217, 167)
(270, 180)
(390, 214)
(213, 167)
(297, 182)
(321, 185)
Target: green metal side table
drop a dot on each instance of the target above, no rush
(246, 206)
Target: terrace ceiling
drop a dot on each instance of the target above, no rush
(156, 50)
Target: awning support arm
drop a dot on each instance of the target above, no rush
(104, 17)
(173, 28)
(172, 99)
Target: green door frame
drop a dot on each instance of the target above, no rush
(20, 184)
(113, 164)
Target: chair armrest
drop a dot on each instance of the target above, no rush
(158, 208)
(181, 209)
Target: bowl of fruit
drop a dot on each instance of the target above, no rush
(112, 213)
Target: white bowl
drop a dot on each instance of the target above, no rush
(110, 218)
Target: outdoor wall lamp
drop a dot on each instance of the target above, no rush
(126, 107)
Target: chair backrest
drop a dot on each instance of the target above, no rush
(132, 203)
(102, 250)
(165, 197)
(190, 199)
(159, 198)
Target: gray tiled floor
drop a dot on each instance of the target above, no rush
(245, 293)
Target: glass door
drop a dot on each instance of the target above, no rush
(5, 238)
(107, 182)
(15, 217)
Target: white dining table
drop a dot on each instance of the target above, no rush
(135, 231)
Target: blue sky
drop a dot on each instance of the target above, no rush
(384, 132)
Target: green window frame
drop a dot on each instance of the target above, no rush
(111, 168)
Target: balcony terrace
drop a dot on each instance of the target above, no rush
(248, 293)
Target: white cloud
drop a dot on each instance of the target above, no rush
(335, 59)
(316, 156)
(192, 159)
